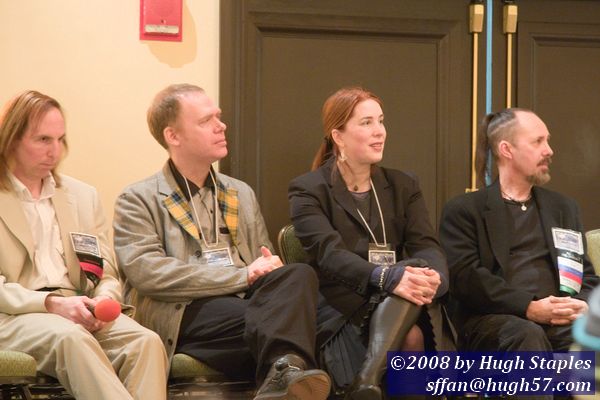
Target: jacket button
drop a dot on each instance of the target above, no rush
(178, 307)
(198, 254)
(170, 342)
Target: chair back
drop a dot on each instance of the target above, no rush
(290, 248)
(593, 248)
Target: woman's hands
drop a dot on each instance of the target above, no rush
(418, 285)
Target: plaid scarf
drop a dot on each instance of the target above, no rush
(228, 201)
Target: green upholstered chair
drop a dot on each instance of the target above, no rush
(290, 248)
(593, 247)
(193, 379)
(185, 367)
(17, 371)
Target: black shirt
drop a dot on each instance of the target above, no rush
(530, 267)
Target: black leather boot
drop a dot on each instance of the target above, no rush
(390, 322)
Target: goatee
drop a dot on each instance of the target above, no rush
(541, 178)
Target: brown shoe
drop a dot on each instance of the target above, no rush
(288, 379)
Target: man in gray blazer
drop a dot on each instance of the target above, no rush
(519, 275)
(195, 253)
(56, 264)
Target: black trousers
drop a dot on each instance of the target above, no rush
(502, 332)
(242, 337)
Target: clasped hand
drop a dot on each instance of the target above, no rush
(418, 285)
(554, 310)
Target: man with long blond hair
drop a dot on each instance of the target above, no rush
(56, 265)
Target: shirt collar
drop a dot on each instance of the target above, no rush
(23, 193)
(181, 181)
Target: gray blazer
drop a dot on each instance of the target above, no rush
(160, 256)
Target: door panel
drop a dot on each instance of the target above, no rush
(558, 77)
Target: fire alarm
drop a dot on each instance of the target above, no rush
(161, 20)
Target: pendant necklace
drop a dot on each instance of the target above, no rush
(522, 203)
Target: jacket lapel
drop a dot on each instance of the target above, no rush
(179, 209)
(66, 209)
(229, 206)
(13, 216)
(340, 193)
(550, 216)
(386, 201)
(495, 217)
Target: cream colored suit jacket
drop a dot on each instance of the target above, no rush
(77, 209)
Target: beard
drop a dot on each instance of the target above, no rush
(542, 177)
(539, 179)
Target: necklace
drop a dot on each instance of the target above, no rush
(522, 203)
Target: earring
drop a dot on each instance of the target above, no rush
(342, 156)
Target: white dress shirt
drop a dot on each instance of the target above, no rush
(49, 259)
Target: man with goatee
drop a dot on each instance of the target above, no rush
(519, 273)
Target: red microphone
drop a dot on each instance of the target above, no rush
(106, 310)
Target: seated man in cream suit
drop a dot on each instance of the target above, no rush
(194, 248)
(56, 264)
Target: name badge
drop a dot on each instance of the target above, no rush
(218, 257)
(569, 245)
(382, 255)
(84, 243)
(87, 250)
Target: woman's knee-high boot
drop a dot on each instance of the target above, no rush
(390, 322)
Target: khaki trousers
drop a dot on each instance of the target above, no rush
(121, 361)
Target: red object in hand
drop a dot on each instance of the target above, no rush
(106, 310)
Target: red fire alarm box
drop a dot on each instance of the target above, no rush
(161, 20)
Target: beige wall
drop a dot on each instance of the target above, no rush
(87, 54)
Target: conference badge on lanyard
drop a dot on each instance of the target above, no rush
(569, 245)
(379, 253)
(218, 257)
(382, 254)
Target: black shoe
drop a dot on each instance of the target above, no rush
(288, 379)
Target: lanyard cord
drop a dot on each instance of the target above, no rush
(380, 216)
(215, 211)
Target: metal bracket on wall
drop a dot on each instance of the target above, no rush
(476, 13)
(510, 12)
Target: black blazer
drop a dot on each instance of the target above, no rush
(326, 221)
(475, 236)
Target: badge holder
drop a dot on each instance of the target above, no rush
(569, 245)
(87, 250)
(382, 254)
(218, 257)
